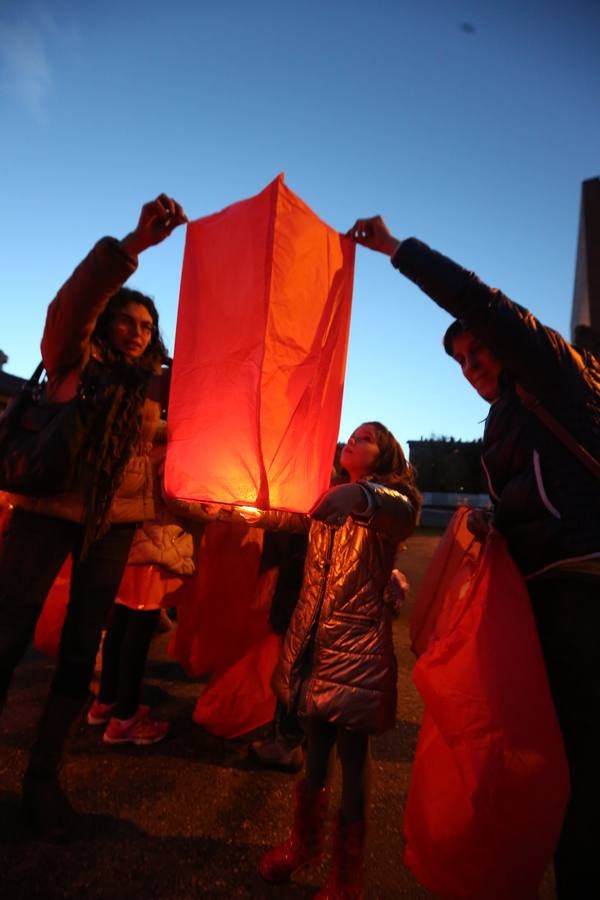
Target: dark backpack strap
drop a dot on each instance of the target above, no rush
(35, 378)
(559, 431)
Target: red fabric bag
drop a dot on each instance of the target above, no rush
(456, 554)
(217, 619)
(239, 699)
(490, 780)
(149, 586)
(223, 630)
(260, 354)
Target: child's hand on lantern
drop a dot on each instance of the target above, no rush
(213, 510)
(396, 590)
(247, 514)
(479, 522)
(338, 503)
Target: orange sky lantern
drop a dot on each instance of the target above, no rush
(260, 354)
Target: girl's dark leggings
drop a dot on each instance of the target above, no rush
(124, 655)
(353, 751)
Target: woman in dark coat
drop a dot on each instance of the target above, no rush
(546, 499)
(100, 340)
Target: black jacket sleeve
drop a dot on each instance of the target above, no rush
(537, 356)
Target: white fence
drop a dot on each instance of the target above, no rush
(439, 507)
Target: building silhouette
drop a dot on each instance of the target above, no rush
(585, 314)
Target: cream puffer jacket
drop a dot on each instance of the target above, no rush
(169, 544)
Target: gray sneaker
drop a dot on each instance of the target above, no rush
(277, 754)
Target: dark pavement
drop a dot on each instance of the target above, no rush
(190, 817)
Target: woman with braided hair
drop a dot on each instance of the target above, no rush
(100, 341)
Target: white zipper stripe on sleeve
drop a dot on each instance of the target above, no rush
(540, 486)
(491, 490)
(566, 564)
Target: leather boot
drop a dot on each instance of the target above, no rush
(305, 842)
(346, 879)
(48, 813)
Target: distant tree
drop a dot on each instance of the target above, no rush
(449, 465)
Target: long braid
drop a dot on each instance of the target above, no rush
(111, 441)
(117, 387)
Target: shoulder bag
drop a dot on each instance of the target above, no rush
(40, 442)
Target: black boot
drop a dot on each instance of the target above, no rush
(48, 813)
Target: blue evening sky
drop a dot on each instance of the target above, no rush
(468, 124)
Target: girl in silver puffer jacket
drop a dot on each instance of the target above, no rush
(337, 667)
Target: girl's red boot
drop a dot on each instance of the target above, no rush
(305, 842)
(346, 879)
